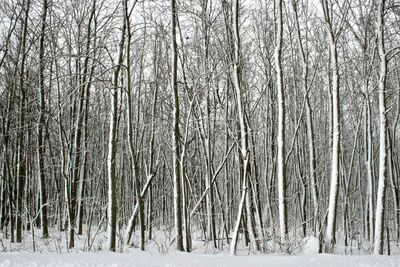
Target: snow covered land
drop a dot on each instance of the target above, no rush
(137, 258)
(160, 252)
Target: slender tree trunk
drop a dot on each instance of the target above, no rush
(380, 203)
(112, 148)
(281, 165)
(176, 133)
(186, 217)
(151, 156)
(310, 128)
(368, 165)
(112, 205)
(7, 190)
(334, 184)
(87, 84)
(211, 229)
(132, 150)
(255, 190)
(76, 136)
(244, 146)
(131, 222)
(393, 186)
(150, 211)
(4, 191)
(249, 216)
(83, 172)
(41, 125)
(21, 160)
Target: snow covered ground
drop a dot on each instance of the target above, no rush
(159, 252)
(136, 258)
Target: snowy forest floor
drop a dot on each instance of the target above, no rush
(34, 251)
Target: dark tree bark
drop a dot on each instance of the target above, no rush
(21, 160)
(41, 125)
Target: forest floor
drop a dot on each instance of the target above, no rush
(34, 251)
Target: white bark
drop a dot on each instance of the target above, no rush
(368, 163)
(242, 120)
(380, 203)
(41, 126)
(176, 133)
(132, 149)
(112, 149)
(130, 226)
(235, 233)
(111, 173)
(111, 225)
(281, 166)
(334, 184)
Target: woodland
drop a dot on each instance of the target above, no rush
(243, 123)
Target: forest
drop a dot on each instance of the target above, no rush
(241, 123)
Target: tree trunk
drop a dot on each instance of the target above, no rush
(334, 184)
(281, 165)
(176, 133)
(310, 128)
(112, 148)
(87, 84)
(368, 165)
(380, 203)
(41, 125)
(131, 222)
(76, 157)
(132, 150)
(244, 146)
(21, 170)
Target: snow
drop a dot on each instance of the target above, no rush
(138, 258)
(311, 245)
(160, 252)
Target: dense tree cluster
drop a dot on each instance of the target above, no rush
(260, 121)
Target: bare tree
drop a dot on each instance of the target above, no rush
(380, 202)
(183, 123)
(281, 164)
(21, 157)
(112, 146)
(132, 150)
(41, 125)
(309, 121)
(176, 132)
(334, 181)
(244, 143)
